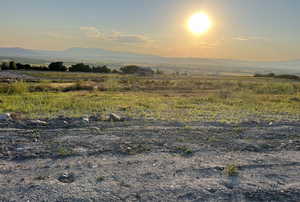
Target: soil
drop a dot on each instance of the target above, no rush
(68, 159)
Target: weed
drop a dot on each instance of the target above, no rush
(100, 179)
(134, 149)
(64, 152)
(184, 150)
(231, 170)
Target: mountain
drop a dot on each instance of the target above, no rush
(176, 64)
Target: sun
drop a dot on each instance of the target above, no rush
(199, 23)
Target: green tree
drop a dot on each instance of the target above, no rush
(12, 65)
(57, 66)
(103, 69)
(80, 67)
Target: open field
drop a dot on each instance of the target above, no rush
(165, 97)
(183, 138)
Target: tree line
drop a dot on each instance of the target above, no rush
(80, 67)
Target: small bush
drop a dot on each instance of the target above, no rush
(57, 66)
(81, 67)
(102, 69)
(80, 85)
(231, 170)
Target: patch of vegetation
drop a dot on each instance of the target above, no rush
(184, 150)
(280, 76)
(64, 152)
(15, 88)
(231, 170)
(100, 179)
(185, 99)
(134, 149)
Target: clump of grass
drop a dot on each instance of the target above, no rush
(15, 88)
(231, 170)
(184, 150)
(100, 179)
(134, 149)
(64, 152)
(80, 86)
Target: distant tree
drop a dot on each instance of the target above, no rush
(103, 69)
(129, 69)
(20, 66)
(12, 65)
(159, 72)
(4, 66)
(80, 67)
(57, 66)
(114, 71)
(133, 69)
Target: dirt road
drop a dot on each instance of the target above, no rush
(72, 160)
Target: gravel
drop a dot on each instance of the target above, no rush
(142, 160)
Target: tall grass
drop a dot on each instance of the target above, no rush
(16, 88)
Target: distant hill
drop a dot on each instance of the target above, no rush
(95, 55)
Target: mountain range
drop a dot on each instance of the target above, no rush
(101, 55)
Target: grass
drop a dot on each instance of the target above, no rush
(193, 98)
(64, 152)
(184, 150)
(231, 170)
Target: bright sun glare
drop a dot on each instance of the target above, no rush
(199, 23)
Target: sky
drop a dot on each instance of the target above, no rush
(261, 30)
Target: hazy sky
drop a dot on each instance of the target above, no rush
(242, 29)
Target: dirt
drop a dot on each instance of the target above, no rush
(14, 75)
(139, 160)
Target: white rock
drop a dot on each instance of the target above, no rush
(5, 117)
(39, 122)
(114, 117)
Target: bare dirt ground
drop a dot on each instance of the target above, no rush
(12, 75)
(74, 160)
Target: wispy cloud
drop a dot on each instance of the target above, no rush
(249, 38)
(95, 33)
(57, 35)
(91, 32)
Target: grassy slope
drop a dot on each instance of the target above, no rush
(227, 98)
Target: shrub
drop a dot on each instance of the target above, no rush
(102, 69)
(80, 67)
(12, 65)
(133, 69)
(57, 66)
(287, 76)
(4, 66)
(231, 170)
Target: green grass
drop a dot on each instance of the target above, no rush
(197, 98)
(231, 170)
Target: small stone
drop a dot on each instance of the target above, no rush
(115, 117)
(85, 119)
(38, 122)
(5, 117)
(67, 178)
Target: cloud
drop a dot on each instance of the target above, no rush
(93, 32)
(57, 35)
(249, 38)
(128, 38)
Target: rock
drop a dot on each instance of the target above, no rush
(67, 178)
(115, 117)
(85, 119)
(96, 117)
(17, 116)
(5, 117)
(38, 122)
